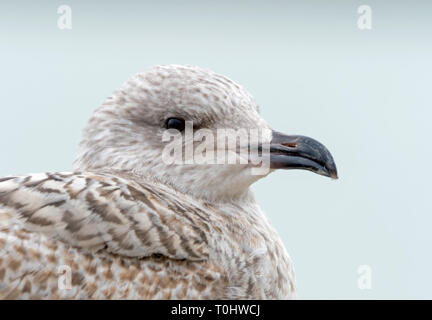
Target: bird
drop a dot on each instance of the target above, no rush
(123, 224)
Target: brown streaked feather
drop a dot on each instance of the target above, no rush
(135, 241)
(29, 269)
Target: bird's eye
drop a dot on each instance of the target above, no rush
(175, 123)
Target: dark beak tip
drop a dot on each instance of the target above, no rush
(331, 168)
(330, 173)
(334, 175)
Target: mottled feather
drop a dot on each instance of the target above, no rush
(125, 224)
(124, 240)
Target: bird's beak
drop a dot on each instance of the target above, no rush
(299, 152)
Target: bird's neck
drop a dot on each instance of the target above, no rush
(238, 195)
(240, 226)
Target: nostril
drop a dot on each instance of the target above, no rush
(290, 144)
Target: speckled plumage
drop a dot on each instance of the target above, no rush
(129, 225)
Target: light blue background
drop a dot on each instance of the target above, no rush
(365, 94)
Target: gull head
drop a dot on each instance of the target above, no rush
(194, 130)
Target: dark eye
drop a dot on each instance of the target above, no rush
(175, 123)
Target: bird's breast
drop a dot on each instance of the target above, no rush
(251, 252)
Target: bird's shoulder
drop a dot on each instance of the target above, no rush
(98, 211)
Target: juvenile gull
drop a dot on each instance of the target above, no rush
(125, 224)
